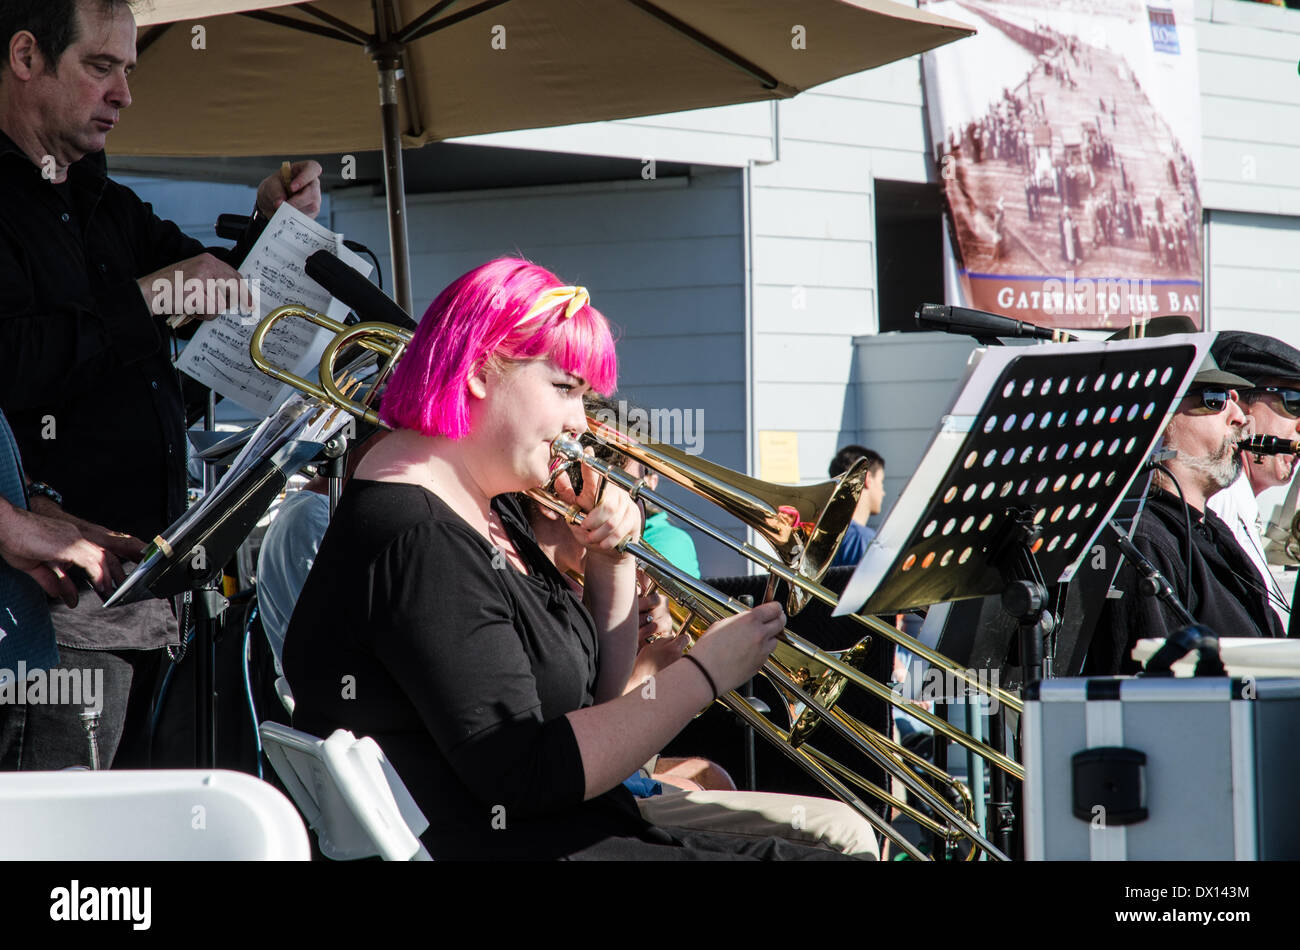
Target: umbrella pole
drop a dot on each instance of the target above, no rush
(388, 61)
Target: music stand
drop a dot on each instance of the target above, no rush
(1029, 464)
(188, 556)
(980, 634)
(220, 448)
(192, 553)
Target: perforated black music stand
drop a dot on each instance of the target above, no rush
(1033, 459)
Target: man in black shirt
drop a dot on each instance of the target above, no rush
(88, 386)
(1221, 592)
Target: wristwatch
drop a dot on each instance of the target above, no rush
(40, 488)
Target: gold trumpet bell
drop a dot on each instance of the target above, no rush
(804, 524)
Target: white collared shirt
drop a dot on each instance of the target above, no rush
(1237, 507)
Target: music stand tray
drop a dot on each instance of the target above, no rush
(1050, 434)
(191, 553)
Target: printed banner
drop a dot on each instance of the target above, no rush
(1068, 136)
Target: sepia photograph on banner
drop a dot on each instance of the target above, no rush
(1068, 144)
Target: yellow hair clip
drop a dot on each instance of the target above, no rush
(577, 298)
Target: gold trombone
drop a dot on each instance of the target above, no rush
(825, 688)
(757, 503)
(699, 478)
(698, 606)
(382, 339)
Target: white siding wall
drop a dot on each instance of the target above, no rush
(1255, 273)
(664, 261)
(904, 381)
(194, 208)
(1250, 106)
(814, 254)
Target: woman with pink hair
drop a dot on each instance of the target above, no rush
(434, 623)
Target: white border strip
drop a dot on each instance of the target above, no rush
(1104, 724)
(1031, 723)
(1241, 733)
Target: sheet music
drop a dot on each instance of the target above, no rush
(218, 357)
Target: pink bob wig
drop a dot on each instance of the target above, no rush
(475, 321)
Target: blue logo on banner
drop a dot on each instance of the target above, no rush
(1164, 31)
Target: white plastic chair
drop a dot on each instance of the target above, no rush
(349, 793)
(147, 815)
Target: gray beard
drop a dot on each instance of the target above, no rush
(1220, 469)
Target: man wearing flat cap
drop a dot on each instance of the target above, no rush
(1272, 407)
(1221, 590)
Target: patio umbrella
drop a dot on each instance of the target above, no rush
(225, 77)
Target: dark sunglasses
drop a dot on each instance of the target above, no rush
(1213, 401)
(1290, 398)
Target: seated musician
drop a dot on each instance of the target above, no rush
(698, 793)
(1221, 591)
(674, 543)
(433, 622)
(38, 557)
(1272, 407)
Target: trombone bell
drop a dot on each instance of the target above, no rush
(804, 524)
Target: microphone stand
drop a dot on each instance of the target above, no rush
(209, 606)
(1191, 636)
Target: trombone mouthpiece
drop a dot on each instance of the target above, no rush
(565, 446)
(566, 453)
(1261, 445)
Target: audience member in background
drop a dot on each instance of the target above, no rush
(674, 543)
(870, 502)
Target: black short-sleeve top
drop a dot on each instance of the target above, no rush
(414, 630)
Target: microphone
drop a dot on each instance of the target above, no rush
(1158, 458)
(345, 283)
(979, 324)
(1261, 445)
